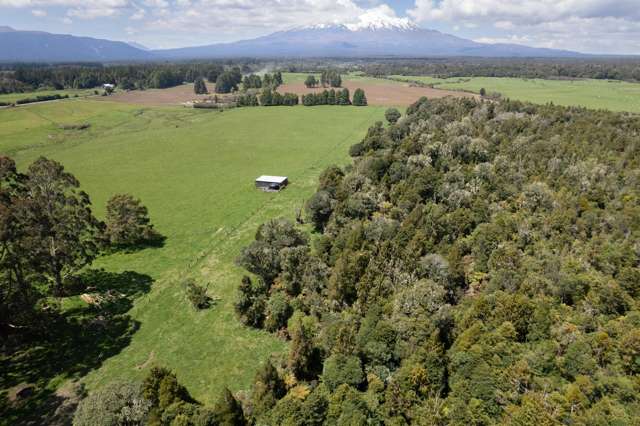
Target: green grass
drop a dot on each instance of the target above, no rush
(12, 97)
(596, 94)
(300, 77)
(194, 170)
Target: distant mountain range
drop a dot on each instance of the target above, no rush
(377, 39)
(38, 46)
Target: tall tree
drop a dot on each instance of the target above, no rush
(311, 81)
(359, 98)
(62, 231)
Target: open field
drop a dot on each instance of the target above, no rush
(159, 97)
(381, 94)
(596, 94)
(194, 170)
(12, 97)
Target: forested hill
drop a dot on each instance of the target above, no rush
(477, 264)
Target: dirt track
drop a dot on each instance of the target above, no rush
(385, 94)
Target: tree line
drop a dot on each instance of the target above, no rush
(627, 69)
(333, 97)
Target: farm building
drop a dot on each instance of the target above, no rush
(271, 183)
(108, 86)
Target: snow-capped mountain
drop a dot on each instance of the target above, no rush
(370, 36)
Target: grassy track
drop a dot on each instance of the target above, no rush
(596, 94)
(194, 169)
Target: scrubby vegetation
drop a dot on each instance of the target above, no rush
(478, 263)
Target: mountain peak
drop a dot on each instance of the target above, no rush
(374, 20)
(6, 29)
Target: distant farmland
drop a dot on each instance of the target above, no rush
(595, 94)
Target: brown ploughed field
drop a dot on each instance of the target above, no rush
(158, 97)
(391, 94)
(378, 93)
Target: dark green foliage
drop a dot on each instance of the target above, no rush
(268, 388)
(330, 78)
(311, 81)
(483, 92)
(392, 115)
(359, 98)
(277, 311)
(228, 411)
(128, 223)
(252, 81)
(342, 97)
(197, 295)
(273, 98)
(476, 264)
(54, 223)
(199, 87)
(329, 97)
(342, 369)
(162, 389)
(227, 82)
(252, 301)
(262, 257)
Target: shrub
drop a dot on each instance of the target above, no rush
(115, 404)
(392, 115)
(197, 295)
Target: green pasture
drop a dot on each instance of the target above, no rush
(595, 94)
(300, 77)
(195, 171)
(12, 97)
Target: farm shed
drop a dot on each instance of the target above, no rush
(271, 183)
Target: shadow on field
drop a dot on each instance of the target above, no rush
(67, 345)
(156, 240)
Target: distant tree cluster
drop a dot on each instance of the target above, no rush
(331, 78)
(328, 97)
(228, 81)
(252, 81)
(311, 81)
(274, 98)
(272, 81)
(199, 86)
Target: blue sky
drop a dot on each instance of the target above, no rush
(594, 26)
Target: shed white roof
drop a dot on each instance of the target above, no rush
(271, 179)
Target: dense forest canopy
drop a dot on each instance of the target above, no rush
(478, 263)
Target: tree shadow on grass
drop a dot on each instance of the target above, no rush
(155, 241)
(68, 345)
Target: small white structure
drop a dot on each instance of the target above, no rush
(108, 86)
(271, 183)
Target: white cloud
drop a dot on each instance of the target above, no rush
(596, 26)
(39, 13)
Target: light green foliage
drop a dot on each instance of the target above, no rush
(114, 405)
